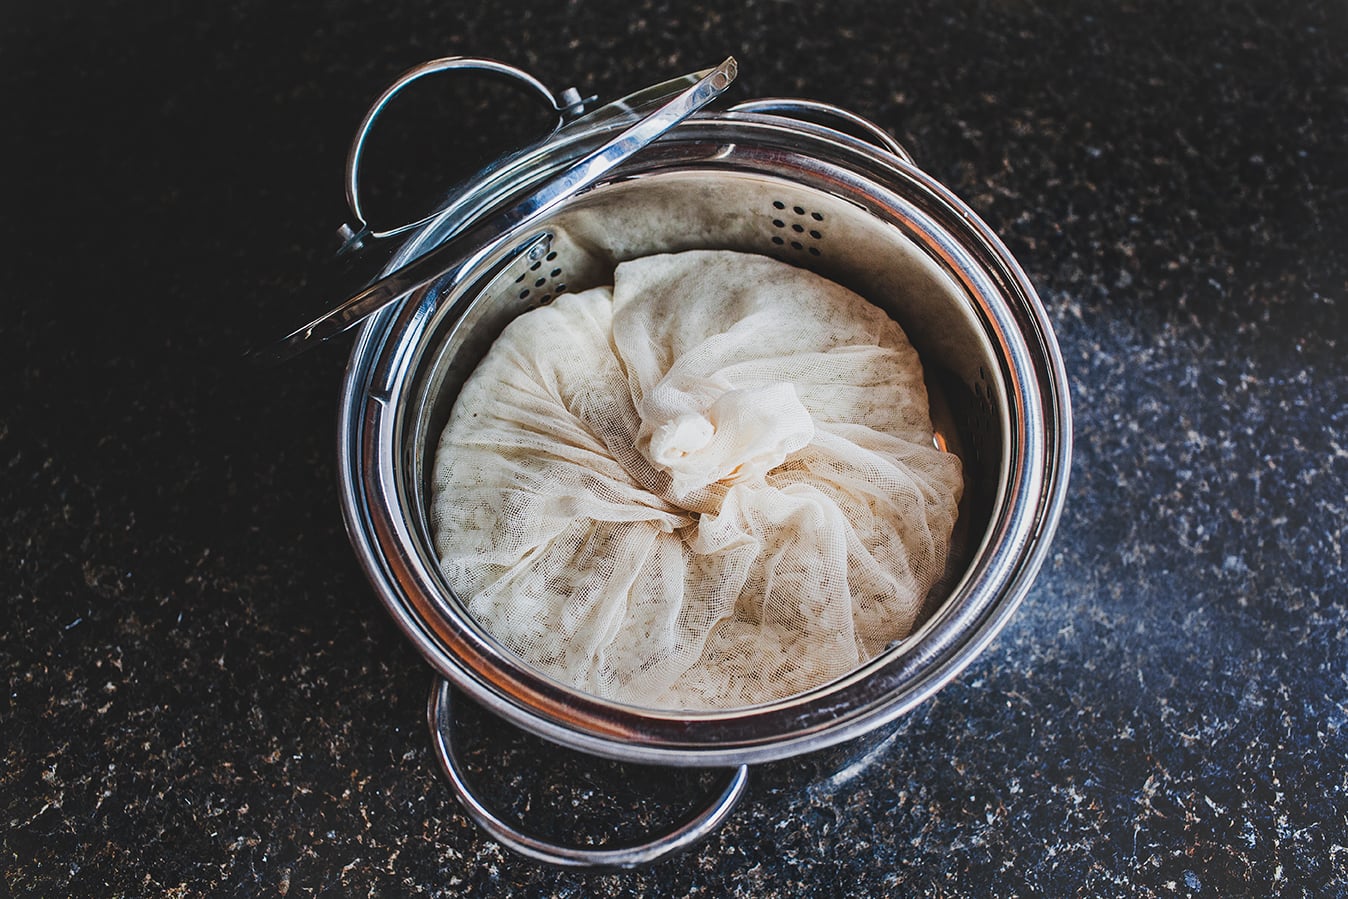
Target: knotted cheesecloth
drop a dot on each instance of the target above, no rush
(709, 486)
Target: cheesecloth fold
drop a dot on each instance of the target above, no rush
(709, 486)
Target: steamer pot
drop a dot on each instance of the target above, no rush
(811, 185)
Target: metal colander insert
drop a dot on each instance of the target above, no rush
(675, 210)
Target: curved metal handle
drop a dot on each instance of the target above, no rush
(790, 107)
(444, 64)
(439, 715)
(482, 241)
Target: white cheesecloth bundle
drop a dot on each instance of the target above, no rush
(709, 486)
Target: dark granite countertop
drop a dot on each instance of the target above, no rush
(205, 697)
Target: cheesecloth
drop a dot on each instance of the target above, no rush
(709, 486)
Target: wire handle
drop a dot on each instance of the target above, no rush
(492, 237)
(361, 228)
(791, 107)
(439, 715)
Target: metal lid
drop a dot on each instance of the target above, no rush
(639, 119)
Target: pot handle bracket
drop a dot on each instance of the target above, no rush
(815, 110)
(440, 717)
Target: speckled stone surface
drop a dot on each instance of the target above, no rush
(203, 696)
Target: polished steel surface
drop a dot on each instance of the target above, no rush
(991, 336)
(815, 110)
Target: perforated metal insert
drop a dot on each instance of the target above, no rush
(799, 229)
(675, 212)
(541, 281)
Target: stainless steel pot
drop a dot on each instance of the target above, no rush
(784, 178)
